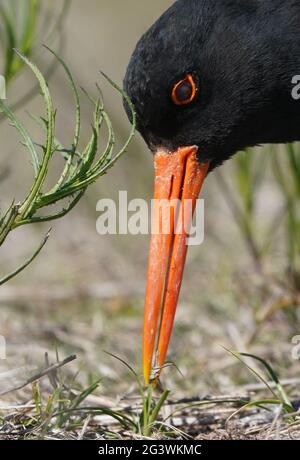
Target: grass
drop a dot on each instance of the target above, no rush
(20, 26)
(67, 411)
(277, 166)
(24, 26)
(249, 174)
(151, 407)
(280, 398)
(64, 408)
(286, 169)
(81, 168)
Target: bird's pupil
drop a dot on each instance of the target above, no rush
(184, 91)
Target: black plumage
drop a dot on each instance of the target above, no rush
(243, 55)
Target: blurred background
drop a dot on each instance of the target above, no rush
(84, 293)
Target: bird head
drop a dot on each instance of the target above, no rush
(206, 80)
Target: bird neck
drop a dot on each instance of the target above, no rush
(281, 123)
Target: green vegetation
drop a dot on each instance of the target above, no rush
(83, 316)
(81, 168)
(66, 410)
(25, 26)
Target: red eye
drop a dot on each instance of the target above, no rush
(184, 92)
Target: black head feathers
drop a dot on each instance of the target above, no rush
(242, 57)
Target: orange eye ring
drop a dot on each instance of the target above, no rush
(188, 85)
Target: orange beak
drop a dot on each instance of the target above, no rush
(178, 180)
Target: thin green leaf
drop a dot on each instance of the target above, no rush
(28, 262)
(24, 134)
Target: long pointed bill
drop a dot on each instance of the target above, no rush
(178, 181)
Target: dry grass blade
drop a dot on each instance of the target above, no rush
(41, 374)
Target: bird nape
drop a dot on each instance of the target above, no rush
(208, 79)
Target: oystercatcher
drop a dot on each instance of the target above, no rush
(210, 78)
